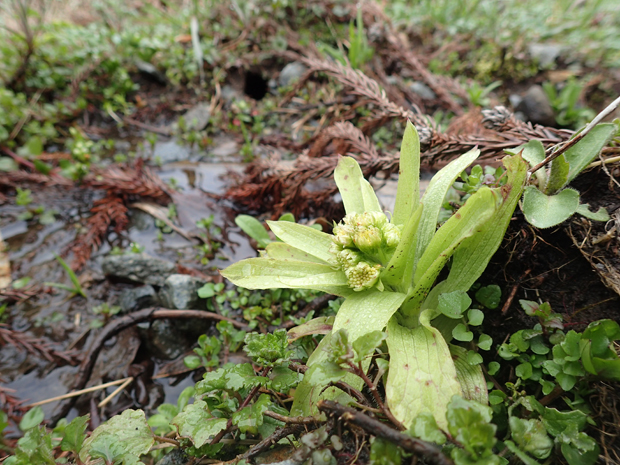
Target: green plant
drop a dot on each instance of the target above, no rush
(76, 289)
(565, 104)
(386, 269)
(478, 95)
(551, 202)
(359, 50)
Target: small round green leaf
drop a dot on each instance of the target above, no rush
(545, 211)
(489, 296)
(475, 317)
(460, 333)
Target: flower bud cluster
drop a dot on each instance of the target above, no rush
(362, 243)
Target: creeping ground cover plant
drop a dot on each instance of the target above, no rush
(386, 267)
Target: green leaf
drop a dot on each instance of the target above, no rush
(460, 333)
(534, 153)
(545, 211)
(320, 325)
(34, 146)
(475, 317)
(196, 423)
(367, 311)
(383, 452)
(77, 287)
(470, 424)
(485, 341)
(357, 193)
(42, 167)
(304, 238)
(282, 251)
(31, 418)
(558, 175)
(575, 457)
(35, 447)
(464, 223)
(233, 378)
(422, 376)
(249, 418)
(127, 434)
(489, 296)
(434, 196)
(524, 370)
(425, 427)
(268, 273)
(526, 459)
(454, 304)
(253, 228)
(7, 164)
(470, 376)
(600, 215)
(587, 149)
(267, 349)
(284, 379)
(531, 436)
(556, 422)
(408, 189)
(365, 346)
(74, 434)
(287, 217)
(473, 255)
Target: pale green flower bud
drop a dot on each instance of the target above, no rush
(391, 234)
(362, 276)
(343, 235)
(368, 240)
(348, 258)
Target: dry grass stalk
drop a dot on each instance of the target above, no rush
(36, 346)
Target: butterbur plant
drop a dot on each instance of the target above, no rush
(385, 266)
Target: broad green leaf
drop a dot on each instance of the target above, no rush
(558, 175)
(253, 228)
(434, 196)
(280, 250)
(473, 255)
(465, 222)
(425, 427)
(545, 211)
(526, 459)
(320, 325)
(587, 149)
(336, 278)
(74, 435)
(454, 304)
(31, 418)
(128, 432)
(35, 447)
(367, 311)
(534, 153)
(422, 376)
(599, 215)
(470, 377)
(268, 273)
(576, 457)
(384, 452)
(196, 423)
(408, 189)
(357, 193)
(249, 418)
(305, 238)
(399, 271)
(531, 436)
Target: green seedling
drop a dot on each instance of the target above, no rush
(478, 95)
(76, 289)
(386, 271)
(551, 202)
(565, 104)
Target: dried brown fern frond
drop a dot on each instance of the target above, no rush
(106, 212)
(36, 346)
(138, 181)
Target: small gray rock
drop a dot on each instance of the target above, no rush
(536, 107)
(198, 116)
(180, 291)
(149, 71)
(165, 339)
(135, 299)
(422, 90)
(229, 93)
(545, 54)
(140, 268)
(291, 73)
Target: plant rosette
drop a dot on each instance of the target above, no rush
(386, 268)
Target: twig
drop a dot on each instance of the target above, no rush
(558, 150)
(292, 420)
(430, 452)
(604, 161)
(81, 391)
(107, 400)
